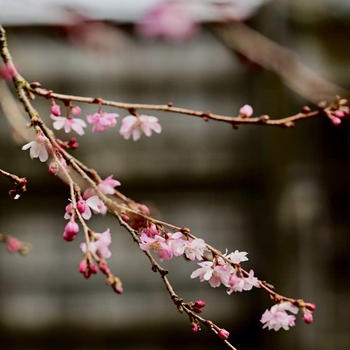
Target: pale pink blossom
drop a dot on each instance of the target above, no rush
(159, 244)
(135, 126)
(169, 21)
(69, 124)
(194, 249)
(239, 284)
(108, 184)
(102, 121)
(100, 246)
(37, 148)
(246, 111)
(278, 317)
(237, 257)
(214, 274)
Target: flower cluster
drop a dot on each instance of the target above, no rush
(102, 121)
(282, 315)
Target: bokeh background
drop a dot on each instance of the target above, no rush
(280, 194)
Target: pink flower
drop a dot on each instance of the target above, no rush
(100, 246)
(69, 124)
(214, 274)
(37, 148)
(158, 243)
(277, 317)
(167, 20)
(151, 231)
(239, 284)
(135, 126)
(194, 249)
(237, 257)
(102, 121)
(13, 245)
(108, 184)
(246, 111)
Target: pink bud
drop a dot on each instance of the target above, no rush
(40, 138)
(335, 120)
(196, 309)
(200, 303)
(223, 334)
(55, 109)
(69, 208)
(70, 231)
(246, 111)
(93, 268)
(307, 316)
(82, 266)
(13, 245)
(81, 206)
(125, 218)
(104, 269)
(144, 209)
(339, 114)
(53, 168)
(76, 110)
(195, 328)
(310, 306)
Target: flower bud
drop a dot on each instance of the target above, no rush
(200, 303)
(54, 168)
(223, 334)
(76, 110)
(307, 316)
(81, 206)
(55, 110)
(195, 328)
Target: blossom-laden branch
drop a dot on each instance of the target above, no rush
(19, 184)
(97, 196)
(14, 245)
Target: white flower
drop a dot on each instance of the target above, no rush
(37, 148)
(237, 257)
(135, 126)
(195, 248)
(69, 124)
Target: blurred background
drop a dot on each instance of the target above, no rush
(282, 195)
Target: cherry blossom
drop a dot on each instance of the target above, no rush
(100, 246)
(237, 257)
(55, 109)
(277, 317)
(246, 111)
(37, 148)
(307, 316)
(194, 249)
(102, 121)
(159, 244)
(239, 284)
(108, 184)
(169, 21)
(69, 124)
(135, 126)
(214, 274)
